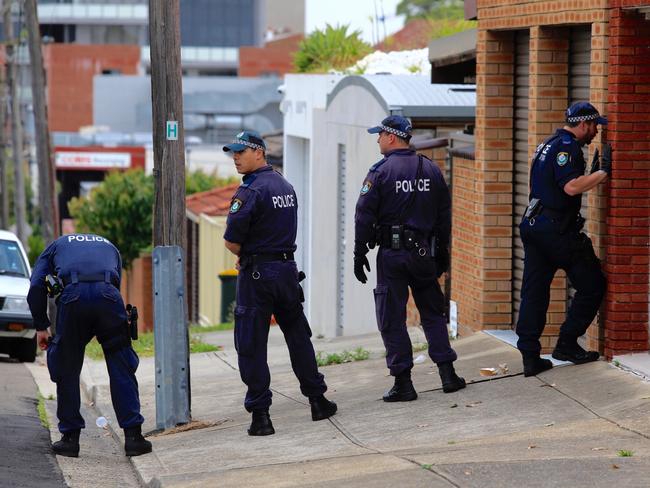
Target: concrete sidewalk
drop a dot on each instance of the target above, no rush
(563, 428)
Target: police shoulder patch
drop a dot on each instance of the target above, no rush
(367, 185)
(235, 205)
(562, 158)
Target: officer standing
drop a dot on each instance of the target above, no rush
(552, 238)
(404, 207)
(88, 267)
(261, 230)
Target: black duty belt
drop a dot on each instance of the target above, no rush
(554, 214)
(106, 277)
(266, 257)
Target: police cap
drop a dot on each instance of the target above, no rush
(247, 138)
(580, 111)
(394, 124)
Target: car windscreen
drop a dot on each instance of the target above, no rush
(11, 260)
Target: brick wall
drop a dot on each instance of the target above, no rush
(70, 69)
(274, 58)
(628, 203)
(618, 215)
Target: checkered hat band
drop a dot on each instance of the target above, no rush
(398, 133)
(580, 118)
(249, 144)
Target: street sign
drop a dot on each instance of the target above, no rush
(172, 130)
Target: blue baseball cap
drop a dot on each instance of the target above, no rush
(580, 111)
(246, 139)
(394, 124)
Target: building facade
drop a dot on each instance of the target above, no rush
(534, 58)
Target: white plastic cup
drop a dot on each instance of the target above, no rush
(101, 422)
(420, 359)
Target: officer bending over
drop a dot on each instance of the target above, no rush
(404, 207)
(552, 238)
(261, 230)
(89, 269)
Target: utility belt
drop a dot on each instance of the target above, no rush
(567, 219)
(402, 237)
(106, 277)
(253, 259)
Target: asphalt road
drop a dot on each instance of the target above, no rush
(26, 459)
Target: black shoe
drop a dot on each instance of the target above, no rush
(134, 443)
(261, 424)
(402, 390)
(68, 445)
(451, 382)
(533, 365)
(569, 350)
(321, 408)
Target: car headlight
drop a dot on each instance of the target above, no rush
(15, 304)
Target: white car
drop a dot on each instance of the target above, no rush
(17, 333)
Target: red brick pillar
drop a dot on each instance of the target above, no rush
(628, 215)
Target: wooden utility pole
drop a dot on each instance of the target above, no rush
(46, 176)
(16, 126)
(173, 396)
(4, 162)
(168, 142)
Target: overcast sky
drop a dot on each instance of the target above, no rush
(357, 13)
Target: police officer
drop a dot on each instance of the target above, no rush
(261, 230)
(89, 269)
(552, 238)
(404, 207)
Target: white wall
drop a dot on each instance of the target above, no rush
(347, 120)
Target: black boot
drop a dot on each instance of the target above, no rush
(451, 382)
(134, 443)
(402, 390)
(533, 364)
(568, 349)
(321, 408)
(261, 424)
(68, 445)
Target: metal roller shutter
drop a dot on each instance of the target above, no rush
(579, 90)
(520, 166)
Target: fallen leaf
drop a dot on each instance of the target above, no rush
(614, 466)
(598, 448)
(423, 425)
(473, 404)
(454, 405)
(532, 446)
(92, 404)
(503, 367)
(488, 371)
(645, 398)
(468, 473)
(549, 425)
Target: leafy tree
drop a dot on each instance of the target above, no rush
(437, 9)
(197, 181)
(330, 49)
(120, 209)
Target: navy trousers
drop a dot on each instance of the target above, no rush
(85, 310)
(546, 251)
(397, 270)
(262, 290)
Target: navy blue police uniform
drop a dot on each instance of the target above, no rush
(89, 305)
(263, 220)
(405, 198)
(552, 239)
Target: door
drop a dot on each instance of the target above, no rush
(520, 163)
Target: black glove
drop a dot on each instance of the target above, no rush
(606, 160)
(442, 261)
(595, 163)
(360, 262)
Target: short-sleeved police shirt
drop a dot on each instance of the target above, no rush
(263, 214)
